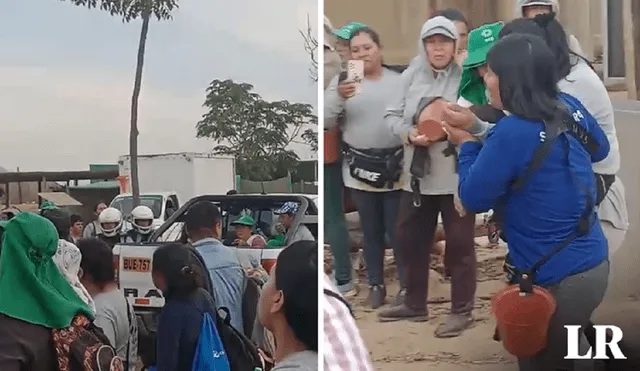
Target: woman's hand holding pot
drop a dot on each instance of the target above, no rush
(456, 135)
(418, 139)
(458, 116)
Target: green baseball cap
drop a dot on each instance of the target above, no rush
(481, 40)
(347, 30)
(245, 220)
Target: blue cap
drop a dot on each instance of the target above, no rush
(289, 207)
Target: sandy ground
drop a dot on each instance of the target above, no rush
(403, 346)
(408, 346)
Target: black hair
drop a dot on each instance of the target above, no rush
(180, 268)
(203, 214)
(558, 41)
(97, 260)
(232, 192)
(551, 31)
(297, 278)
(75, 218)
(526, 70)
(452, 14)
(95, 207)
(60, 220)
(524, 26)
(375, 37)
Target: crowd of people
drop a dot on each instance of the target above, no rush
(508, 118)
(65, 303)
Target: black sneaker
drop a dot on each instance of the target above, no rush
(399, 299)
(377, 296)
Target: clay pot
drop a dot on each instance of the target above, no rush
(331, 146)
(429, 121)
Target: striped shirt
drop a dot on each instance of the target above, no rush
(344, 349)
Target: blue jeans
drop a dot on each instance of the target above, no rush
(378, 212)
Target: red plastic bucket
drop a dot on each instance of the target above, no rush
(523, 320)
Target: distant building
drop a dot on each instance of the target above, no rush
(25, 192)
(399, 21)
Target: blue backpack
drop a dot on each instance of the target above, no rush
(210, 354)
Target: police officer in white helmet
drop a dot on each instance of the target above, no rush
(110, 226)
(142, 225)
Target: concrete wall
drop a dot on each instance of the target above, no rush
(626, 263)
(399, 21)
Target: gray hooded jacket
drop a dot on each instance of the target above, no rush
(420, 80)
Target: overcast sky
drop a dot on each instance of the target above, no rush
(66, 75)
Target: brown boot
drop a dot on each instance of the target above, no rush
(454, 325)
(403, 313)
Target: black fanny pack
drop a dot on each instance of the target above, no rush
(378, 168)
(554, 130)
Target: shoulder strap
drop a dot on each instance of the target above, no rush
(340, 298)
(130, 320)
(584, 222)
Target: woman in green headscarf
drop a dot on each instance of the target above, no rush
(34, 296)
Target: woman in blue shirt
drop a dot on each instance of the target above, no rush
(179, 275)
(545, 211)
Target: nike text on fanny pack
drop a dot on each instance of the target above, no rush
(368, 175)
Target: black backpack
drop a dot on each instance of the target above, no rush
(241, 351)
(250, 300)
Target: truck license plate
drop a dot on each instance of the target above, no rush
(137, 264)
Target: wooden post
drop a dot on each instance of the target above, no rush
(630, 29)
(634, 14)
(20, 200)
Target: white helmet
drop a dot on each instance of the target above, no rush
(110, 215)
(141, 213)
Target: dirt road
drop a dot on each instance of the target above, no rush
(411, 346)
(408, 346)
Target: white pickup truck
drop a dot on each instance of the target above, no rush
(132, 262)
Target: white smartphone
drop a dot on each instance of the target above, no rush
(355, 73)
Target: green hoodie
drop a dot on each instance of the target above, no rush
(481, 40)
(31, 286)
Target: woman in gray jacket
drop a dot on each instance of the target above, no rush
(430, 185)
(371, 168)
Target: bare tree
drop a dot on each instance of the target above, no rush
(131, 10)
(311, 47)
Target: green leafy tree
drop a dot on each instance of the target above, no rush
(130, 10)
(256, 132)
